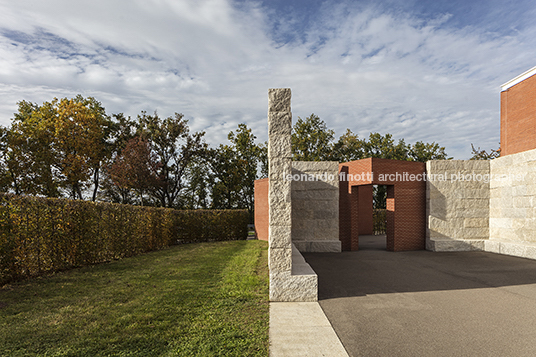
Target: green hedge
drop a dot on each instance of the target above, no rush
(40, 235)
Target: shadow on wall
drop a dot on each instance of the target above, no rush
(380, 272)
(315, 207)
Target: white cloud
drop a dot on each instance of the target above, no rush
(356, 68)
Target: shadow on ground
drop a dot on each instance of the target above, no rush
(422, 303)
(376, 271)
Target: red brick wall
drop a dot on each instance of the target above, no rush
(261, 209)
(390, 216)
(518, 117)
(366, 222)
(345, 229)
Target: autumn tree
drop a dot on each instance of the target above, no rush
(82, 140)
(29, 154)
(135, 168)
(175, 147)
(57, 145)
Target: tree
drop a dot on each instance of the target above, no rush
(135, 169)
(479, 154)
(423, 152)
(58, 145)
(235, 168)
(348, 148)
(311, 139)
(82, 134)
(197, 191)
(29, 154)
(175, 149)
(123, 130)
(384, 147)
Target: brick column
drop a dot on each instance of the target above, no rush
(345, 217)
(390, 216)
(354, 209)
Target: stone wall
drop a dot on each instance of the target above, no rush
(315, 206)
(457, 204)
(512, 201)
(287, 282)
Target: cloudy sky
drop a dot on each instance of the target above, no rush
(424, 70)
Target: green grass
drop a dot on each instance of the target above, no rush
(207, 299)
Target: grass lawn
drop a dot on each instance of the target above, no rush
(207, 299)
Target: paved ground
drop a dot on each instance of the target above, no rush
(428, 304)
(299, 329)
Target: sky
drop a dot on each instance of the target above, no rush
(421, 70)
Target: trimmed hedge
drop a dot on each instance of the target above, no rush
(41, 235)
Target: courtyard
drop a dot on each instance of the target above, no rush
(421, 303)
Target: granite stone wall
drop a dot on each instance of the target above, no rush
(512, 201)
(315, 206)
(457, 204)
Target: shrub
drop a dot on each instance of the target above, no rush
(40, 235)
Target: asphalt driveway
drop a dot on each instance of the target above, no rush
(428, 304)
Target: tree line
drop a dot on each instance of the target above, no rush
(72, 148)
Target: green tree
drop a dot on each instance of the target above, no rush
(311, 139)
(423, 152)
(348, 148)
(384, 147)
(235, 168)
(479, 154)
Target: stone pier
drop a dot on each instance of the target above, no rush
(291, 278)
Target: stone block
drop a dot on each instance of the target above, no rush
(279, 100)
(326, 246)
(280, 191)
(280, 215)
(279, 123)
(287, 287)
(280, 236)
(452, 245)
(326, 214)
(530, 252)
(279, 168)
(512, 249)
(280, 259)
(279, 146)
(492, 246)
(476, 222)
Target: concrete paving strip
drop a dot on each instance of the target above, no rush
(302, 329)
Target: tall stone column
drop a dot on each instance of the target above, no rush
(279, 192)
(287, 282)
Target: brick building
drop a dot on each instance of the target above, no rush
(518, 114)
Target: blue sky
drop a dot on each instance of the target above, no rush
(420, 70)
